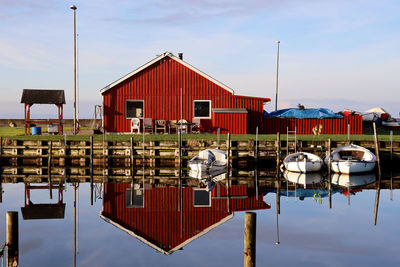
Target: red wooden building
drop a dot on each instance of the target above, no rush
(155, 218)
(154, 91)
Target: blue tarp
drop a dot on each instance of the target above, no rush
(315, 113)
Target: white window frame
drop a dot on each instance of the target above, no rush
(201, 189)
(209, 112)
(126, 107)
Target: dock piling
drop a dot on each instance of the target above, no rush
(12, 239)
(250, 224)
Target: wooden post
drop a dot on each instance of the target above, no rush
(218, 138)
(228, 154)
(91, 170)
(250, 224)
(256, 160)
(180, 167)
(348, 133)
(378, 186)
(278, 189)
(329, 173)
(1, 179)
(12, 239)
(132, 170)
(49, 169)
(377, 152)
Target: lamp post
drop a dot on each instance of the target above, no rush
(73, 7)
(277, 76)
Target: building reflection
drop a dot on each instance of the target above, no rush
(154, 216)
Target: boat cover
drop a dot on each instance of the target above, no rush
(315, 113)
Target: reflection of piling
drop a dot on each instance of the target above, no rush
(1, 178)
(250, 239)
(12, 239)
(329, 173)
(91, 170)
(228, 154)
(278, 185)
(49, 168)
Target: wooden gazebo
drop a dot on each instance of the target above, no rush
(39, 96)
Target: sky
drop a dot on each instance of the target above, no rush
(335, 54)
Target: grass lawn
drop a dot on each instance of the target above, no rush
(19, 133)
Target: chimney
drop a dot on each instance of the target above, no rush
(180, 55)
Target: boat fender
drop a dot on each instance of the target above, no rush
(282, 167)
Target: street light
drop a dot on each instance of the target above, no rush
(74, 128)
(277, 75)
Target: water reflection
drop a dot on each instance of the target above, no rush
(32, 211)
(353, 180)
(155, 219)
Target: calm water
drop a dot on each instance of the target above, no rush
(113, 233)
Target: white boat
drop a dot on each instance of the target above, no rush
(302, 162)
(392, 124)
(208, 160)
(351, 159)
(353, 180)
(303, 179)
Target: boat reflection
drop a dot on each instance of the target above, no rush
(353, 180)
(154, 216)
(303, 179)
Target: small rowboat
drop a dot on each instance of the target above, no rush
(302, 162)
(208, 159)
(351, 159)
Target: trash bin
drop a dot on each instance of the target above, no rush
(36, 130)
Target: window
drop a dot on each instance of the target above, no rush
(137, 198)
(134, 109)
(201, 198)
(202, 109)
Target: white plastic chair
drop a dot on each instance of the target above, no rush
(135, 125)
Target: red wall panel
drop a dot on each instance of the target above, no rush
(234, 123)
(305, 126)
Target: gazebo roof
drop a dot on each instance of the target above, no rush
(39, 96)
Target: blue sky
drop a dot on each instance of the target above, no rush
(335, 54)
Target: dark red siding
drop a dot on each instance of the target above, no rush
(305, 126)
(234, 123)
(159, 86)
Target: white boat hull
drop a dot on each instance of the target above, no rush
(311, 162)
(351, 159)
(350, 166)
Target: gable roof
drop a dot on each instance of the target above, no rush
(166, 54)
(157, 246)
(39, 96)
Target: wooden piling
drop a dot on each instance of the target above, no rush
(278, 184)
(378, 186)
(12, 239)
(329, 173)
(228, 154)
(250, 224)
(49, 169)
(132, 169)
(91, 170)
(377, 152)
